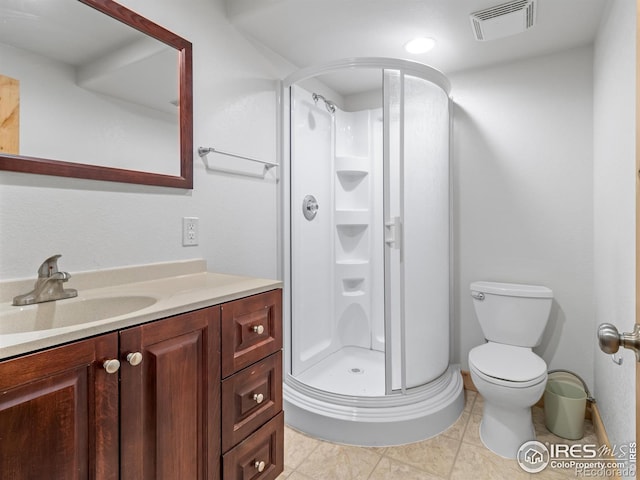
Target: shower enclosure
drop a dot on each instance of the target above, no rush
(366, 220)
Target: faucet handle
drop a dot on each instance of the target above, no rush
(49, 266)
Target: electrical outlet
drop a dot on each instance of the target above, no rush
(189, 231)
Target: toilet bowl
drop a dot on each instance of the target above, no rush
(511, 380)
(506, 372)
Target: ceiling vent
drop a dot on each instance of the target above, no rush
(503, 20)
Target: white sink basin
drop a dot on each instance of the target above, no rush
(67, 313)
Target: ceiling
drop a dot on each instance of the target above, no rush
(309, 32)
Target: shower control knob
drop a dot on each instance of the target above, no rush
(259, 465)
(259, 329)
(309, 207)
(258, 397)
(610, 339)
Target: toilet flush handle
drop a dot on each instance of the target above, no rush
(610, 339)
(477, 295)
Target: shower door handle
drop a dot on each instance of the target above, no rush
(392, 232)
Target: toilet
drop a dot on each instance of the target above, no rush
(506, 372)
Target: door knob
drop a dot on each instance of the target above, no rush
(610, 339)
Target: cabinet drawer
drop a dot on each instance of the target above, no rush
(251, 330)
(244, 462)
(250, 398)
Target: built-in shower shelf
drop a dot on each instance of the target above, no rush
(355, 261)
(352, 164)
(353, 175)
(359, 293)
(352, 191)
(352, 243)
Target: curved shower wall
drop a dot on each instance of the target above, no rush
(367, 270)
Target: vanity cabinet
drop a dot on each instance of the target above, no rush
(59, 413)
(170, 401)
(252, 418)
(165, 413)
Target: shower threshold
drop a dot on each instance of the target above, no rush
(386, 420)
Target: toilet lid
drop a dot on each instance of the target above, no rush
(507, 362)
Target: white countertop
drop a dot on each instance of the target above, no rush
(174, 294)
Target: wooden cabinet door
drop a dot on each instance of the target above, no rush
(170, 402)
(59, 413)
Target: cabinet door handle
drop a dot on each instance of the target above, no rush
(258, 397)
(111, 366)
(260, 465)
(259, 329)
(134, 358)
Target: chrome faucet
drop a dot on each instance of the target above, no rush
(48, 286)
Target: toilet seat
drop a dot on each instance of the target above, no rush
(508, 365)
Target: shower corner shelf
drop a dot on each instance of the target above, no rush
(354, 261)
(359, 293)
(352, 172)
(352, 165)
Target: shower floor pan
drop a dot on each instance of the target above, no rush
(366, 419)
(349, 371)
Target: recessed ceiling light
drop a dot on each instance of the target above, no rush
(420, 45)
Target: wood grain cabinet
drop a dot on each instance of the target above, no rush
(252, 418)
(169, 398)
(166, 413)
(59, 413)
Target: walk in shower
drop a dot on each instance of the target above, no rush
(366, 220)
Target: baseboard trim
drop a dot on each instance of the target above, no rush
(601, 432)
(466, 380)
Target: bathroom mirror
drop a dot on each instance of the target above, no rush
(90, 89)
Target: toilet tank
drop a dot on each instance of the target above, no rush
(511, 313)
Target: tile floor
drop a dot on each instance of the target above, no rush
(455, 454)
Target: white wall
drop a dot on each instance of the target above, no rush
(523, 162)
(102, 224)
(614, 210)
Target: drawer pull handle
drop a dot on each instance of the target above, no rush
(258, 397)
(259, 465)
(111, 366)
(259, 329)
(134, 358)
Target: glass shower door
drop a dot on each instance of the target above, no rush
(417, 230)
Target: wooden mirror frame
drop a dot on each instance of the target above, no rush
(25, 164)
